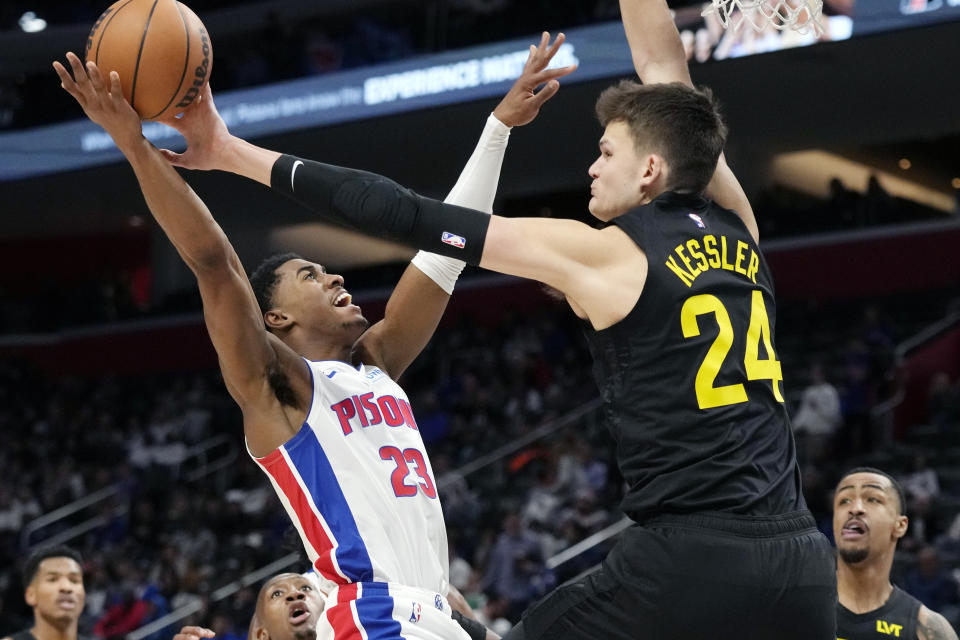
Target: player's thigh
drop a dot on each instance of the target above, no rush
(589, 608)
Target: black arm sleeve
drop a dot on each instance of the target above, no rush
(380, 207)
(474, 629)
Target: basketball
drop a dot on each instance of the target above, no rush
(159, 48)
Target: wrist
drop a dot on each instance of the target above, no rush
(132, 146)
(501, 118)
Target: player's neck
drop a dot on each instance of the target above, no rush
(864, 586)
(318, 347)
(44, 629)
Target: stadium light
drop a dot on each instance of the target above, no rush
(31, 23)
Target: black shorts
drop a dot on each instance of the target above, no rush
(700, 576)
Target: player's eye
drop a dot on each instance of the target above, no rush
(306, 587)
(276, 594)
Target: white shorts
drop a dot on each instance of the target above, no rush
(387, 611)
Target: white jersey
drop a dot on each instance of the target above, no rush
(358, 485)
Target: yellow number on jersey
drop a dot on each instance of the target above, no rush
(709, 396)
(757, 369)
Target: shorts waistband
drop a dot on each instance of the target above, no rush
(741, 525)
(359, 590)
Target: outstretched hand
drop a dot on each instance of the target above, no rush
(194, 633)
(103, 104)
(522, 103)
(205, 132)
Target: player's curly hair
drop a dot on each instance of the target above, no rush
(678, 122)
(265, 277)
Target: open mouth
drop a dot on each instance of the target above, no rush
(67, 603)
(343, 299)
(299, 613)
(853, 529)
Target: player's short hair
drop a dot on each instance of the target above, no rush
(901, 496)
(264, 279)
(678, 122)
(32, 564)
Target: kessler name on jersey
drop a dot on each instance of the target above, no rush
(712, 253)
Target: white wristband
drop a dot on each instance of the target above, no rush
(441, 269)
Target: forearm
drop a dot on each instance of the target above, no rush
(177, 209)
(477, 185)
(380, 207)
(655, 45)
(475, 188)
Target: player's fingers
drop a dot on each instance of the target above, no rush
(79, 74)
(116, 91)
(550, 74)
(62, 72)
(556, 45)
(544, 40)
(549, 90)
(93, 72)
(66, 81)
(197, 631)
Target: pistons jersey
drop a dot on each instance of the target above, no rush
(358, 486)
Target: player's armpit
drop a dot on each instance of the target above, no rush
(933, 626)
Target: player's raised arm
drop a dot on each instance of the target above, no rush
(421, 296)
(246, 352)
(658, 57)
(655, 45)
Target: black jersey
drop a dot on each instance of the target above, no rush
(26, 634)
(897, 618)
(690, 379)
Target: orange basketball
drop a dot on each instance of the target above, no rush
(160, 50)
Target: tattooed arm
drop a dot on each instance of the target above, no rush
(933, 626)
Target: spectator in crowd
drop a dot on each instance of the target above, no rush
(932, 584)
(921, 483)
(943, 400)
(515, 570)
(819, 416)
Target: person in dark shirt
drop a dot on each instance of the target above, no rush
(53, 588)
(868, 520)
(679, 310)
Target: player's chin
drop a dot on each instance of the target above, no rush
(598, 210)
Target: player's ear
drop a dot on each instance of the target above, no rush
(651, 170)
(900, 526)
(30, 596)
(277, 320)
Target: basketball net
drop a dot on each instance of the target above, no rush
(802, 16)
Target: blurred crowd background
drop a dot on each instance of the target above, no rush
(167, 508)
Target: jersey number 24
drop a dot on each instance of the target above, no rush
(708, 395)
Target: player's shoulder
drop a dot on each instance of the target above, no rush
(933, 626)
